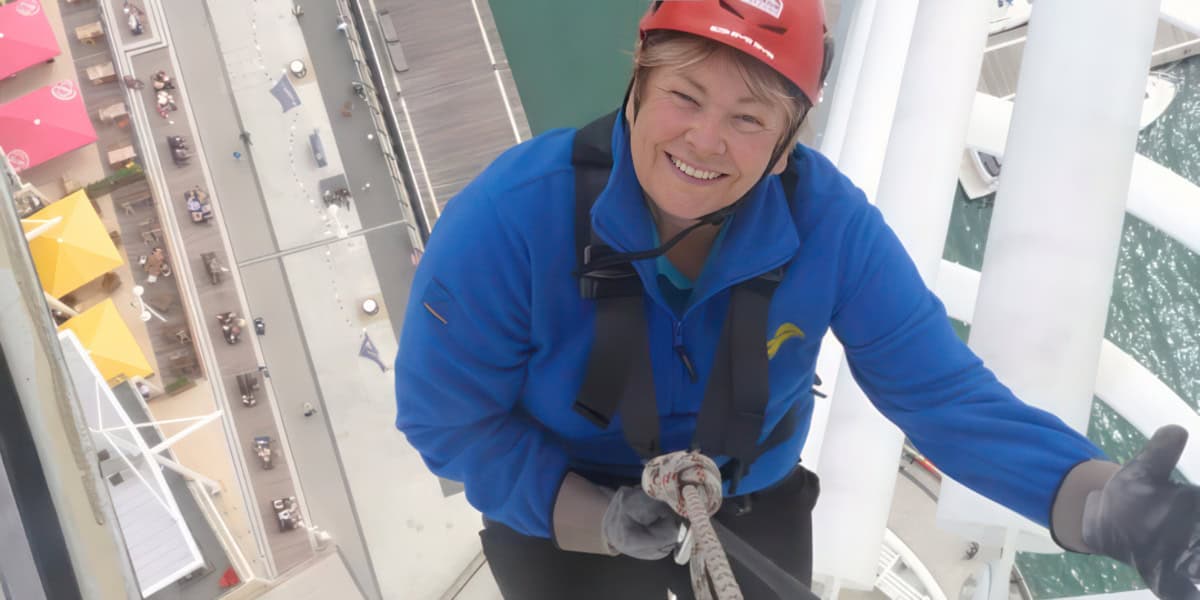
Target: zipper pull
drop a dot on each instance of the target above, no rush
(682, 352)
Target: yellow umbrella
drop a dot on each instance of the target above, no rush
(109, 342)
(74, 251)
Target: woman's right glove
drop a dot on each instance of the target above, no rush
(598, 520)
(639, 526)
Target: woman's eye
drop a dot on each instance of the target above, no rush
(685, 97)
(750, 120)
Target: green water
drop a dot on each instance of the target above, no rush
(571, 62)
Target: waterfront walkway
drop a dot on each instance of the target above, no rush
(457, 101)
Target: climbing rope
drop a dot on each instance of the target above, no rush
(690, 484)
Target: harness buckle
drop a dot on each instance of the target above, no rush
(599, 282)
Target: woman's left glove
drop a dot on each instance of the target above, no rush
(1142, 518)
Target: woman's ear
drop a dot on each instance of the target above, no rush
(629, 105)
(781, 164)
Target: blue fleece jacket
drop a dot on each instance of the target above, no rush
(496, 338)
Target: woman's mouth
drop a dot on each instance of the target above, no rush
(693, 173)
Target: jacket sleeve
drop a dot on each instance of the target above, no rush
(908, 360)
(461, 367)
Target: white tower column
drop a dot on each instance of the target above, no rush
(870, 121)
(859, 448)
(850, 53)
(1047, 273)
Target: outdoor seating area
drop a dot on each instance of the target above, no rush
(143, 241)
(89, 33)
(101, 73)
(198, 205)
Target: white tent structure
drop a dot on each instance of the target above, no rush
(160, 545)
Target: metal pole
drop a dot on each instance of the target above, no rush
(40, 229)
(59, 304)
(167, 443)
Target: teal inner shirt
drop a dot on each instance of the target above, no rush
(675, 286)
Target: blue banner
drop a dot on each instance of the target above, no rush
(286, 94)
(370, 352)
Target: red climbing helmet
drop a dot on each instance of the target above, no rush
(787, 35)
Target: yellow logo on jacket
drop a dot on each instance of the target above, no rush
(784, 333)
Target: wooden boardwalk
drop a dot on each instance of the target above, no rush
(453, 116)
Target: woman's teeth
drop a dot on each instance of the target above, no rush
(692, 171)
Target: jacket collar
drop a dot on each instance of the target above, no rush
(761, 237)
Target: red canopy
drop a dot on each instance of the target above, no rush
(229, 578)
(26, 38)
(44, 124)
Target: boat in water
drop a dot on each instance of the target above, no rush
(1009, 15)
(979, 172)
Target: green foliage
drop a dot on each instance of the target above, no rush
(178, 385)
(130, 173)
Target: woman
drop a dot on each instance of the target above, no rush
(542, 377)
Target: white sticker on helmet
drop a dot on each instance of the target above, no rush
(771, 7)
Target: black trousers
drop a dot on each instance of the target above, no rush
(778, 524)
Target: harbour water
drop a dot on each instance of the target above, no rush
(571, 63)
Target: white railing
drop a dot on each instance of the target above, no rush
(896, 555)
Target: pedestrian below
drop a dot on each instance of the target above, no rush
(245, 135)
(297, 11)
(341, 25)
(237, 155)
(309, 410)
(366, 186)
(682, 249)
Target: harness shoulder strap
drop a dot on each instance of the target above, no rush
(618, 373)
(591, 155)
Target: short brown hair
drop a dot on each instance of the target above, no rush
(680, 50)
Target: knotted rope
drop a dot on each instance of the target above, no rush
(690, 484)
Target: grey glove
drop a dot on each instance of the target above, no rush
(599, 520)
(1142, 518)
(639, 526)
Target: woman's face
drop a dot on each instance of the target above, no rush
(701, 140)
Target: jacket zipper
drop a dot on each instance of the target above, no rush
(682, 352)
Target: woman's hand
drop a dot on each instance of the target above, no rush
(639, 526)
(1142, 518)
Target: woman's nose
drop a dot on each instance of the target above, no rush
(705, 136)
